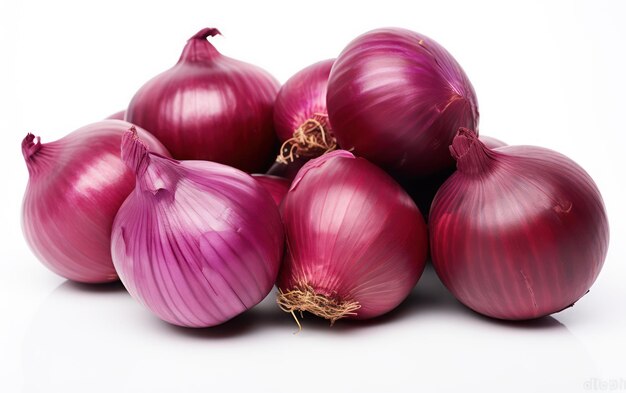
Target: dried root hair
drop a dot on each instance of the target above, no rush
(303, 297)
(312, 139)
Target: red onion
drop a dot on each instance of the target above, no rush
(210, 107)
(197, 242)
(518, 232)
(300, 115)
(118, 115)
(356, 242)
(75, 188)
(276, 186)
(397, 98)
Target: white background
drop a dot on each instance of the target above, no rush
(546, 73)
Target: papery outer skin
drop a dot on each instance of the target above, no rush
(423, 189)
(276, 186)
(524, 237)
(352, 234)
(397, 98)
(197, 242)
(76, 186)
(210, 107)
(301, 97)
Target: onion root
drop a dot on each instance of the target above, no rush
(312, 139)
(304, 298)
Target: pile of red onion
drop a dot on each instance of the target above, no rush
(216, 184)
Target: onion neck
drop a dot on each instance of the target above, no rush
(37, 156)
(154, 173)
(134, 152)
(199, 49)
(161, 177)
(471, 155)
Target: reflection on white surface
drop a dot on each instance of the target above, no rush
(98, 339)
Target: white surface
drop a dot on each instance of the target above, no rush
(546, 73)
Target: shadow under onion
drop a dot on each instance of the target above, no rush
(265, 315)
(429, 297)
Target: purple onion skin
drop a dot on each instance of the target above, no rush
(518, 232)
(301, 97)
(276, 186)
(75, 187)
(397, 98)
(210, 107)
(352, 234)
(196, 242)
(117, 116)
